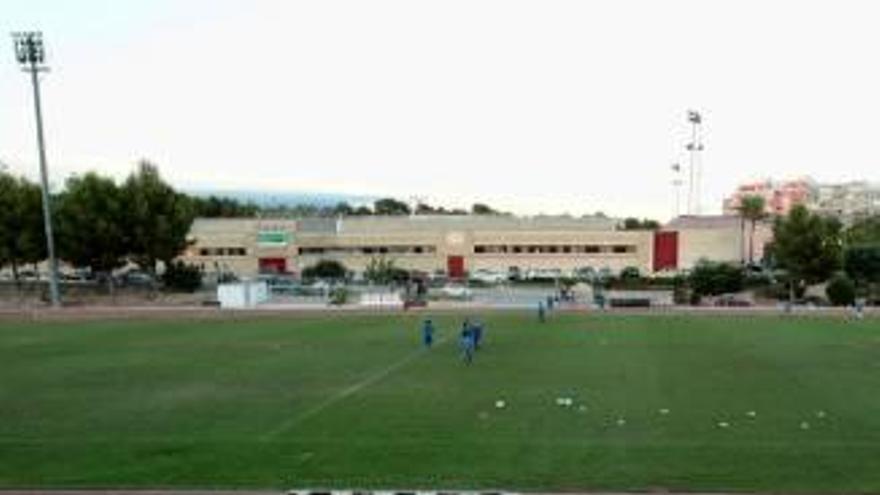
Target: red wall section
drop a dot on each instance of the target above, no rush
(665, 251)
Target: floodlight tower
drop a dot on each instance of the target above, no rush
(676, 185)
(695, 172)
(31, 54)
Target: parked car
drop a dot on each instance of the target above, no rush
(136, 278)
(488, 276)
(732, 301)
(456, 290)
(543, 274)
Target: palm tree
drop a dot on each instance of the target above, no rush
(751, 208)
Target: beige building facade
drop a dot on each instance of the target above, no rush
(458, 245)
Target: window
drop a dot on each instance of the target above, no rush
(222, 251)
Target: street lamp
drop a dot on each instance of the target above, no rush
(30, 53)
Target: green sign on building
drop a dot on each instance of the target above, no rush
(273, 238)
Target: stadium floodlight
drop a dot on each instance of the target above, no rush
(695, 169)
(31, 54)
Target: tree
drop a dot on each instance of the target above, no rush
(382, 271)
(632, 223)
(862, 264)
(344, 209)
(181, 276)
(22, 234)
(92, 224)
(710, 278)
(807, 246)
(215, 207)
(157, 217)
(841, 291)
(325, 270)
(864, 231)
(390, 206)
(752, 209)
(483, 209)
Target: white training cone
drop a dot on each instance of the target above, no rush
(751, 414)
(500, 404)
(664, 411)
(723, 424)
(805, 425)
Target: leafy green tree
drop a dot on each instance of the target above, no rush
(864, 231)
(632, 223)
(92, 224)
(182, 277)
(841, 290)
(807, 246)
(483, 209)
(344, 209)
(710, 278)
(752, 209)
(216, 207)
(22, 235)
(325, 270)
(158, 218)
(862, 264)
(390, 206)
(383, 271)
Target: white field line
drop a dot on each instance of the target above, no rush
(346, 392)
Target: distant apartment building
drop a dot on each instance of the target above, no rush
(847, 201)
(779, 196)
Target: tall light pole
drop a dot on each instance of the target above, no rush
(676, 184)
(30, 53)
(695, 148)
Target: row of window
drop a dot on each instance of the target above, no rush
(366, 250)
(478, 249)
(554, 249)
(223, 251)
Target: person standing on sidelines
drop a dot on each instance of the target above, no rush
(428, 333)
(467, 343)
(477, 333)
(542, 313)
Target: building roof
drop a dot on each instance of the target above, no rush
(703, 222)
(472, 222)
(416, 223)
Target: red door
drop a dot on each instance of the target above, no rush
(665, 251)
(455, 266)
(273, 265)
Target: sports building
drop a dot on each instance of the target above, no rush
(457, 245)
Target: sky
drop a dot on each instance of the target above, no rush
(530, 106)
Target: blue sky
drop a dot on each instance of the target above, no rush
(562, 106)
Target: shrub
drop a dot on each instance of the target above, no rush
(841, 290)
(182, 277)
(710, 279)
(338, 296)
(630, 273)
(325, 270)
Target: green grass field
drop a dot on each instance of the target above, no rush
(352, 401)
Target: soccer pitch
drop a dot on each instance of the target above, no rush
(749, 403)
